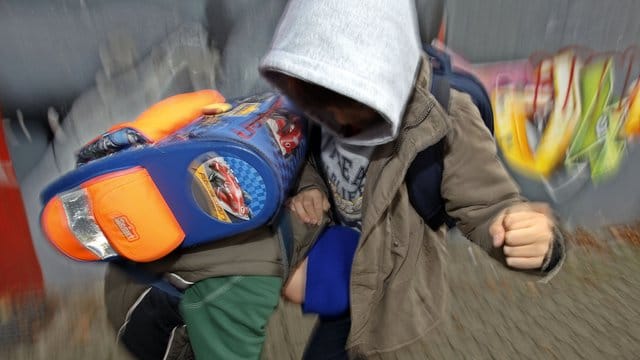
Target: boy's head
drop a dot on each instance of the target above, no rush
(339, 114)
(349, 65)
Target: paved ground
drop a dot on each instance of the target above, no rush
(591, 310)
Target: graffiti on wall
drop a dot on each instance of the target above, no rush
(577, 115)
(564, 119)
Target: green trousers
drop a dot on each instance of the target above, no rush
(226, 316)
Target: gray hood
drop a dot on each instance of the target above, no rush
(366, 50)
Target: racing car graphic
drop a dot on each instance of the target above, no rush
(230, 195)
(286, 132)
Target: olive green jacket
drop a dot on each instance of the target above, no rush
(397, 279)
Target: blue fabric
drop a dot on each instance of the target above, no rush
(264, 160)
(424, 176)
(329, 270)
(329, 340)
(110, 143)
(463, 82)
(148, 331)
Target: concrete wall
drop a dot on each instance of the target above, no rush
(493, 30)
(51, 51)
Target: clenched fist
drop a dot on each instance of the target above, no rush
(525, 233)
(309, 205)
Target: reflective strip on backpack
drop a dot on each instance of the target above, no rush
(83, 224)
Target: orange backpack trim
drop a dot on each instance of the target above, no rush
(130, 212)
(149, 230)
(169, 115)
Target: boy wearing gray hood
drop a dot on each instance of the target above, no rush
(357, 70)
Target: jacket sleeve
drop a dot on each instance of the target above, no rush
(310, 178)
(475, 185)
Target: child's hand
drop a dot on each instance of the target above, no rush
(309, 205)
(525, 232)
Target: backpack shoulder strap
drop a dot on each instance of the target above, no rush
(440, 74)
(441, 90)
(424, 176)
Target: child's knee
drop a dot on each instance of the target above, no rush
(294, 288)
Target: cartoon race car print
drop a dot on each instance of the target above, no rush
(230, 195)
(286, 131)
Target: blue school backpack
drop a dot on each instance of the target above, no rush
(177, 177)
(424, 177)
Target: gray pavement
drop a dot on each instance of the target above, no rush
(590, 310)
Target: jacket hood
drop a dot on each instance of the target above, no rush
(368, 51)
